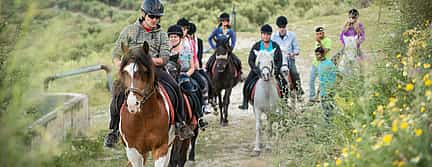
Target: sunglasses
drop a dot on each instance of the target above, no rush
(153, 16)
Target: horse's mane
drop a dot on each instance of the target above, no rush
(138, 55)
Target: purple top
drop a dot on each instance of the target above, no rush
(352, 32)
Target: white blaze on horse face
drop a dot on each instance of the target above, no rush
(225, 56)
(132, 101)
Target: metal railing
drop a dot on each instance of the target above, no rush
(81, 71)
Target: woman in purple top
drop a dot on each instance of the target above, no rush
(352, 36)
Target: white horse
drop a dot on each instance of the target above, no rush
(348, 61)
(266, 95)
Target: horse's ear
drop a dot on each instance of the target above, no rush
(145, 47)
(272, 52)
(124, 48)
(256, 52)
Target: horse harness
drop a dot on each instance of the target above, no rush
(143, 93)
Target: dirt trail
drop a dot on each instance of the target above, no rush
(232, 145)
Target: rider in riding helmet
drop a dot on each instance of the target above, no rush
(200, 75)
(186, 64)
(264, 44)
(223, 32)
(287, 41)
(146, 28)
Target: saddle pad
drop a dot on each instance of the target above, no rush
(254, 87)
(164, 94)
(189, 110)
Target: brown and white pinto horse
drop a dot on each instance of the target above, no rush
(144, 117)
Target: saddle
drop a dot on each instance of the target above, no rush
(252, 95)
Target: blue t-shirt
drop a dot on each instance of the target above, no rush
(327, 76)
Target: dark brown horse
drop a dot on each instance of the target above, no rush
(224, 76)
(144, 117)
(181, 147)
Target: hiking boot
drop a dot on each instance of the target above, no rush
(202, 124)
(244, 106)
(111, 139)
(183, 131)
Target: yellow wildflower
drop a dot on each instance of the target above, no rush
(325, 164)
(428, 82)
(409, 87)
(345, 152)
(422, 109)
(395, 125)
(318, 165)
(387, 139)
(338, 162)
(404, 125)
(392, 102)
(428, 93)
(380, 109)
(418, 132)
(426, 65)
(354, 131)
(398, 55)
(376, 94)
(358, 140)
(399, 86)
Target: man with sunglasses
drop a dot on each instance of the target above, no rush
(325, 43)
(146, 29)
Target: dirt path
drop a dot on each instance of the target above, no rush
(232, 145)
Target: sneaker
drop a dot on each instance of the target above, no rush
(243, 107)
(202, 124)
(111, 139)
(183, 131)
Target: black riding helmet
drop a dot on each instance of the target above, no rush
(152, 7)
(175, 29)
(224, 16)
(192, 29)
(353, 13)
(266, 29)
(183, 22)
(281, 21)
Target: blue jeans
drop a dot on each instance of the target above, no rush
(294, 74)
(313, 75)
(328, 105)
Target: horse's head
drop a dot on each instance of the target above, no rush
(265, 63)
(284, 69)
(222, 53)
(137, 74)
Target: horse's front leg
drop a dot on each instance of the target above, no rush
(226, 105)
(161, 155)
(269, 133)
(136, 159)
(257, 150)
(220, 107)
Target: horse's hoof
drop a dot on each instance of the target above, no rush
(224, 124)
(215, 113)
(255, 153)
